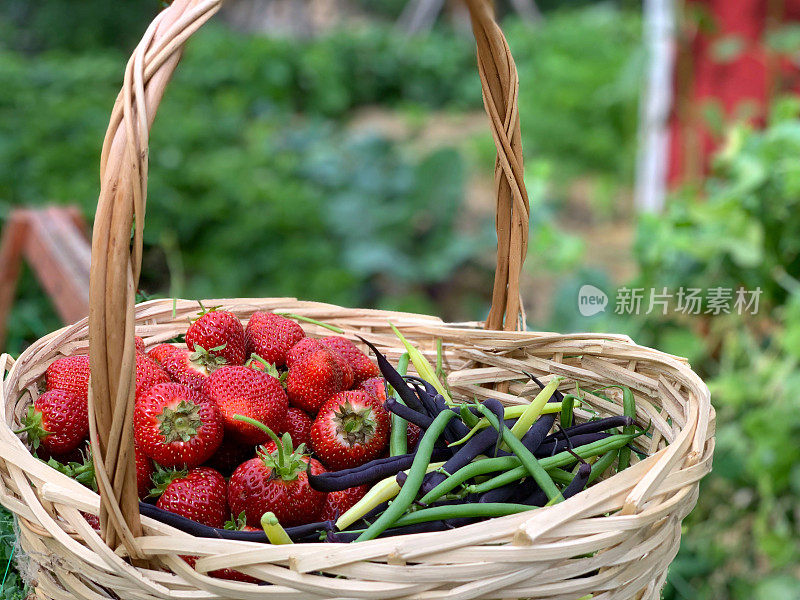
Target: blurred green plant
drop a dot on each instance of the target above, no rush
(739, 229)
(13, 587)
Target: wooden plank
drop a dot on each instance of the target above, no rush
(59, 256)
(12, 241)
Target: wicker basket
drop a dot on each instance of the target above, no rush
(615, 540)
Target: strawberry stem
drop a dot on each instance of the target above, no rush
(312, 321)
(268, 431)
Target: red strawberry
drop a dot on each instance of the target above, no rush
(363, 368)
(148, 374)
(92, 520)
(199, 495)
(161, 352)
(140, 347)
(298, 425)
(375, 386)
(144, 473)
(313, 379)
(276, 481)
(412, 436)
(69, 373)
(243, 391)
(271, 336)
(58, 420)
(184, 366)
(300, 349)
(306, 345)
(350, 429)
(338, 503)
(220, 333)
(177, 426)
(230, 454)
(229, 574)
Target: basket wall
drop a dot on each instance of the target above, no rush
(615, 540)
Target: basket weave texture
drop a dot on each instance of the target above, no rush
(614, 540)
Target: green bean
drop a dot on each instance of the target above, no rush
(560, 475)
(534, 409)
(469, 419)
(629, 408)
(398, 442)
(415, 475)
(567, 405)
(455, 511)
(559, 460)
(469, 471)
(525, 456)
(599, 467)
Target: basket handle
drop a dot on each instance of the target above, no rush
(116, 256)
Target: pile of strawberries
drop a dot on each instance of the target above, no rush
(228, 425)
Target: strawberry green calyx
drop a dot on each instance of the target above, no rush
(209, 360)
(180, 423)
(82, 472)
(355, 425)
(204, 311)
(237, 522)
(162, 477)
(33, 426)
(286, 461)
(269, 368)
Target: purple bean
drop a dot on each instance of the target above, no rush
(579, 481)
(422, 421)
(555, 446)
(394, 378)
(369, 472)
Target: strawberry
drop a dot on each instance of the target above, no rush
(375, 386)
(58, 420)
(140, 347)
(412, 436)
(350, 429)
(184, 366)
(338, 503)
(144, 472)
(306, 345)
(148, 374)
(220, 333)
(271, 336)
(300, 349)
(230, 454)
(276, 481)
(229, 574)
(363, 368)
(92, 520)
(298, 425)
(69, 373)
(177, 426)
(199, 495)
(244, 391)
(313, 379)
